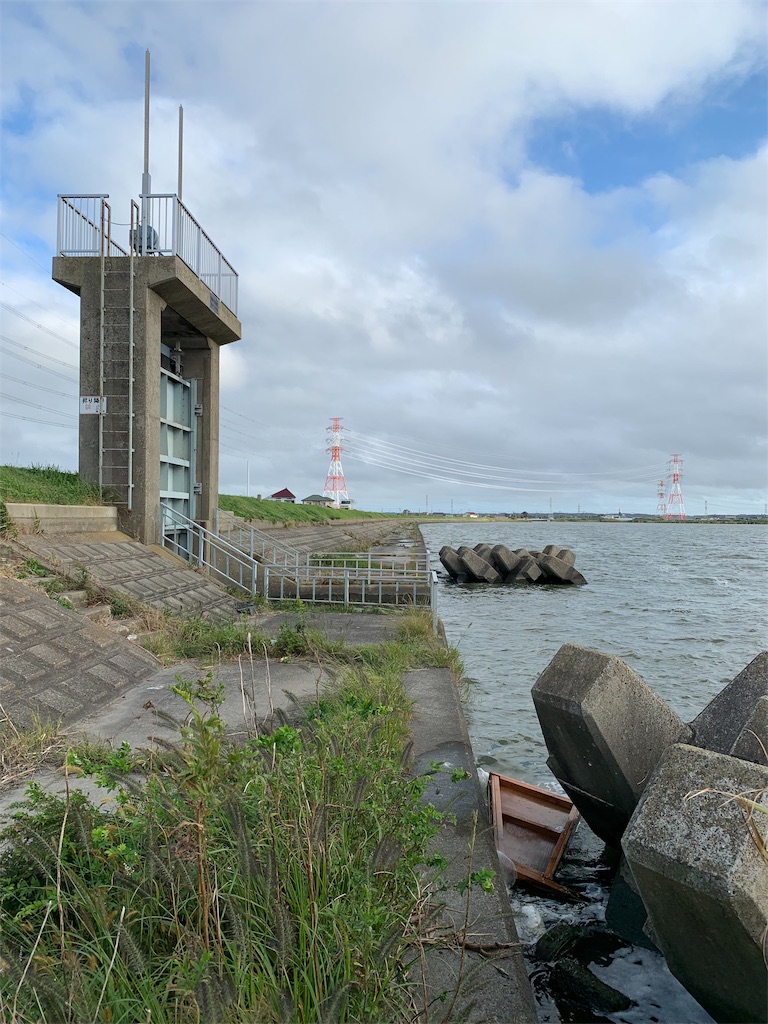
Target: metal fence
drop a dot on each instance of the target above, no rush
(280, 573)
(84, 227)
(261, 544)
(166, 228)
(191, 541)
(169, 229)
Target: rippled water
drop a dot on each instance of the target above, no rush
(686, 605)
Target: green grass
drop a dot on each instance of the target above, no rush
(284, 512)
(47, 485)
(273, 880)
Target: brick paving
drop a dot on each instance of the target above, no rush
(56, 663)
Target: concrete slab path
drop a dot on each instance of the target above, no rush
(103, 685)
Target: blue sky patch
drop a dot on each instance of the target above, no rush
(605, 150)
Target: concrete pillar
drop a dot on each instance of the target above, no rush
(171, 306)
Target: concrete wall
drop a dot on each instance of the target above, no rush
(55, 519)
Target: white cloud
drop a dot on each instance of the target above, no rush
(403, 262)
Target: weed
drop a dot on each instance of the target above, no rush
(31, 567)
(268, 881)
(25, 747)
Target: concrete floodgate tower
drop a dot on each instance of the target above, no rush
(154, 313)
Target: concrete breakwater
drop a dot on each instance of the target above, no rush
(499, 564)
(686, 803)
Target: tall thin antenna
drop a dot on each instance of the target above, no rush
(146, 184)
(181, 148)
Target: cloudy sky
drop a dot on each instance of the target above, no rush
(520, 248)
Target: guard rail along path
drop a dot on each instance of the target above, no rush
(252, 561)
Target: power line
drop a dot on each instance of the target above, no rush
(59, 362)
(31, 405)
(35, 303)
(16, 246)
(38, 366)
(39, 387)
(416, 456)
(41, 327)
(32, 419)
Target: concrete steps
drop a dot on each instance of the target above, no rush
(62, 519)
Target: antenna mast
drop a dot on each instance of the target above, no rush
(146, 181)
(181, 148)
(335, 484)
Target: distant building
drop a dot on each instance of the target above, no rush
(318, 499)
(284, 495)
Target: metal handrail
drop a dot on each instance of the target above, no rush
(82, 229)
(167, 228)
(288, 580)
(206, 547)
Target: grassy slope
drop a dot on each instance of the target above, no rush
(47, 485)
(50, 485)
(283, 512)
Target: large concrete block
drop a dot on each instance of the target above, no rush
(527, 571)
(504, 560)
(703, 880)
(484, 550)
(558, 570)
(451, 561)
(719, 724)
(752, 742)
(606, 731)
(476, 567)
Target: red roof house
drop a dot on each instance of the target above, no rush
(284, 495)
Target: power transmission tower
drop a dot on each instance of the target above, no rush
(661, 508)
(335, 484)
(675, 507)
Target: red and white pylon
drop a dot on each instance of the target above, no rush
(335, 484)
(661, 508)
(675, 507)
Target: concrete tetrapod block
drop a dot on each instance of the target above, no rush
(605, 730)
(527, 571)
(484, 550)
(504, 560)
(717, 727)
(752, 742)
(702, 879)
(451, 561)
(476, 567)
(558, 570)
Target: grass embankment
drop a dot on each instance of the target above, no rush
(47, 485)
(275, 880)
(284, 512)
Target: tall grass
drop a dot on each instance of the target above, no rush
(272, 881)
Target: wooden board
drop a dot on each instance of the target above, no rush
(532, 826)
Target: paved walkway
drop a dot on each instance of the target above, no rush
(153, 576)
(97, 682)
(55, 662)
